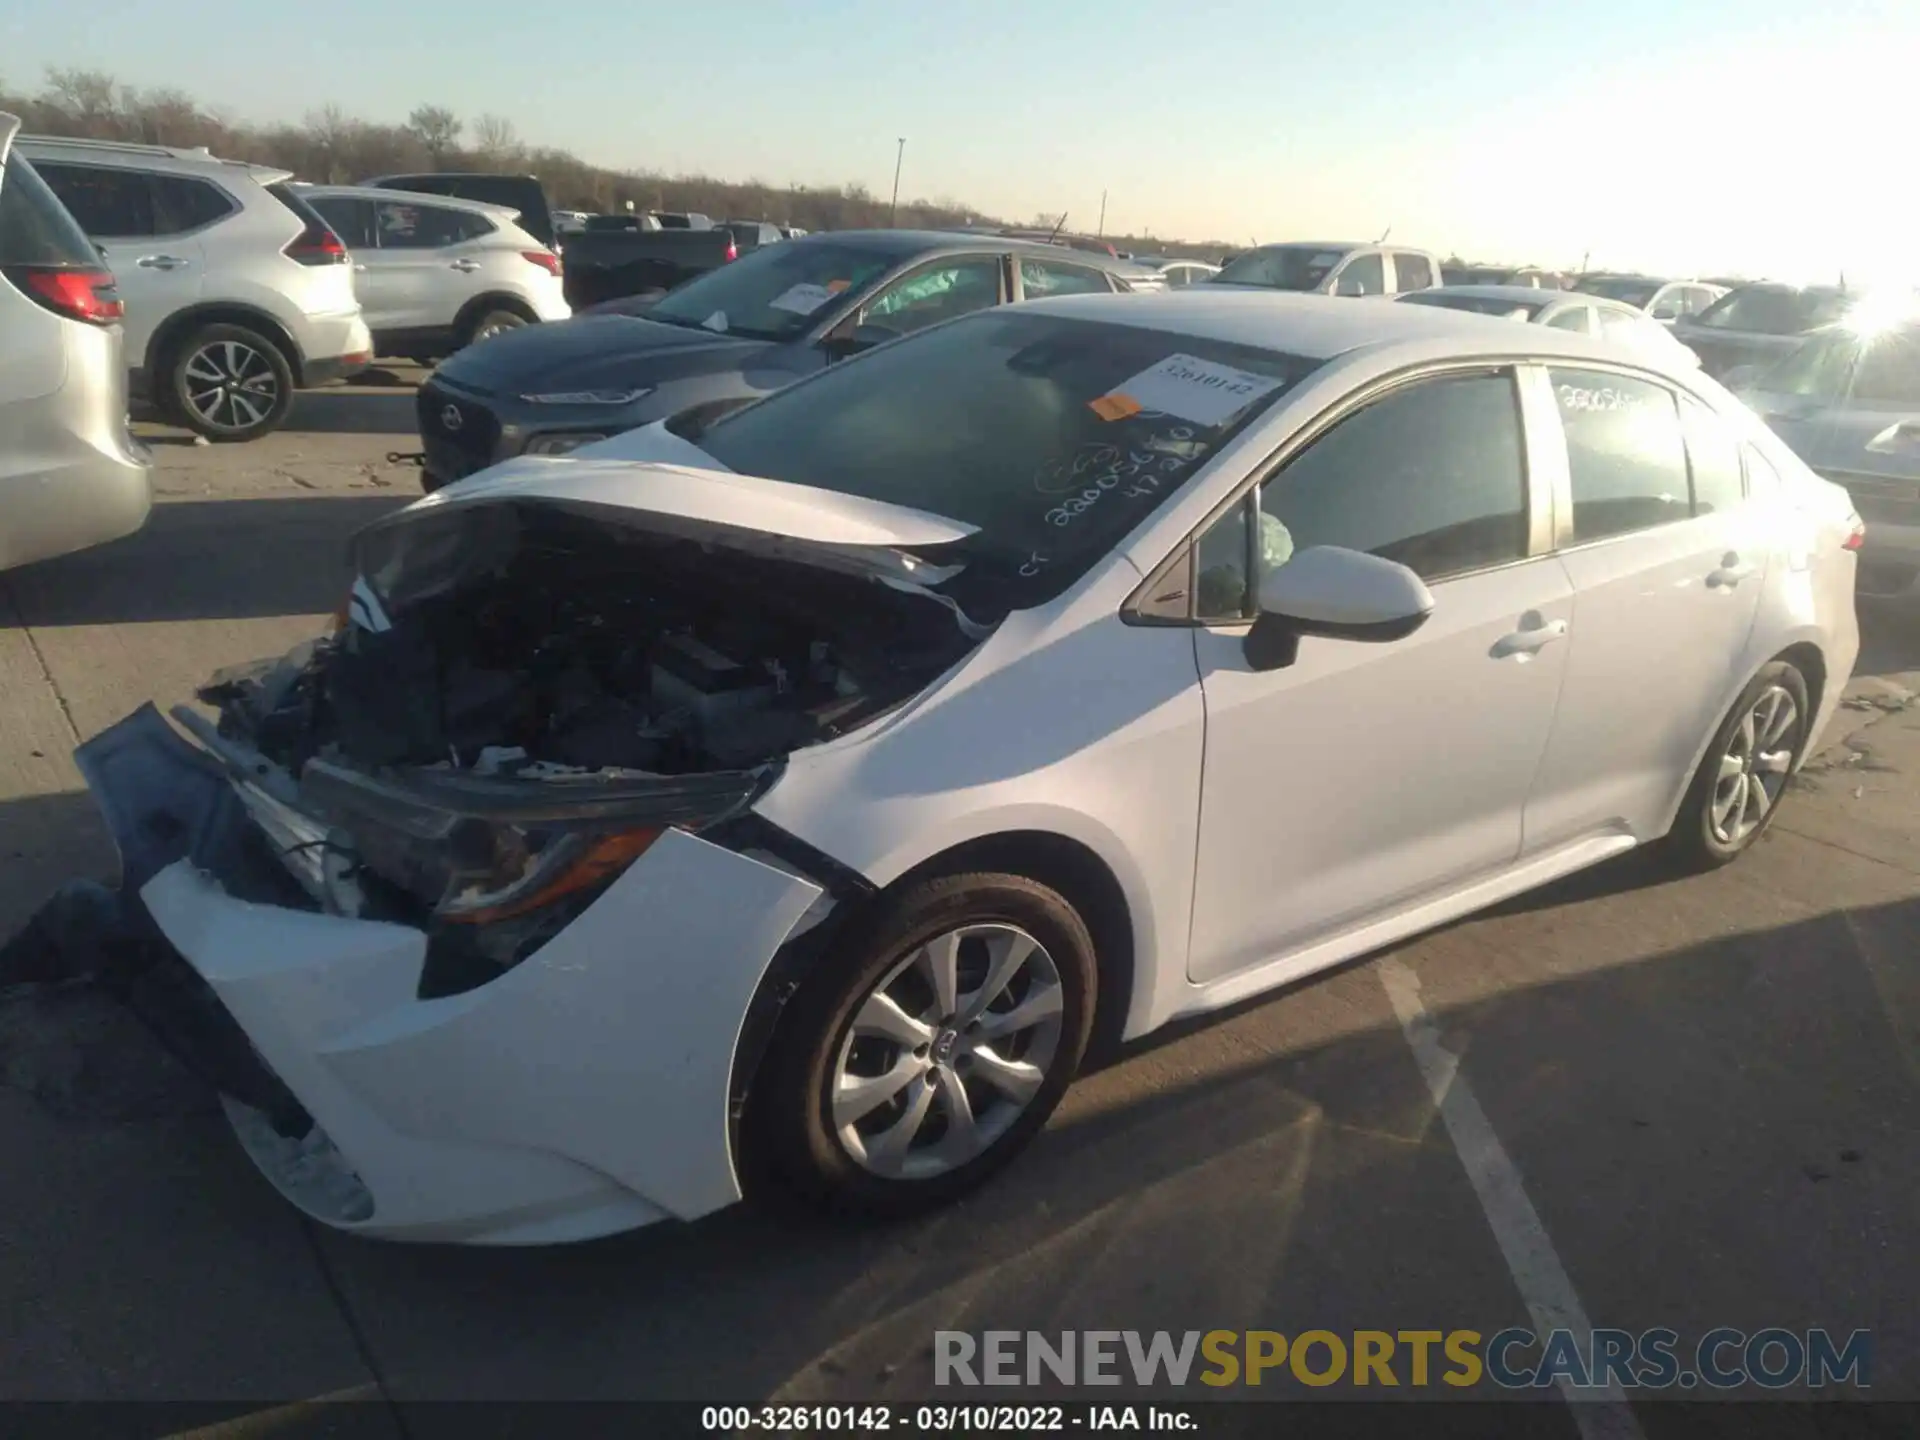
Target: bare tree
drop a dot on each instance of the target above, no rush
(90, 97)
(333, 134)
(496, 139)
(438, 129)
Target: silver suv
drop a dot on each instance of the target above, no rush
(237, 292)
(70, 475)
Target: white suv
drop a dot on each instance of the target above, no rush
(434, 273)
(237, 292)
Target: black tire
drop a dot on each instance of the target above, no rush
(1695, 843)
(228, 383)
(489, 321)
(790, 1133)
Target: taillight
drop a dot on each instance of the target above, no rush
(1856, 533)
(87, 295)
(316, 245)
(545, 259)
(733, 249)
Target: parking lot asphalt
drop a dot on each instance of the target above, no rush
(1706, 1091)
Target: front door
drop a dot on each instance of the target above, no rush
(1365, 776)
(1667, 558)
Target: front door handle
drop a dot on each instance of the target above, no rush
(468, 266)
(161, 262)
(1731, 572)
(1536, 632)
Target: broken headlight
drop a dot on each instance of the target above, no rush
(478, 850)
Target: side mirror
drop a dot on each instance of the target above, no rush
(1337, 593)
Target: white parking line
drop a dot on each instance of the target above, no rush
(1600, 1412)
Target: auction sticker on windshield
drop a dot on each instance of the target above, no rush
(802, 299)
(1187, 388)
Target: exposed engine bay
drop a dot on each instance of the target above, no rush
(574, 644)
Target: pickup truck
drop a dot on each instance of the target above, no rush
(607, 262)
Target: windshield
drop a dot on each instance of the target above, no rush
(1282, 267)
(1092, 427)
(1478, 304)
(1768, 311)
(774, 293)
(1637, 293)
(1819, 367)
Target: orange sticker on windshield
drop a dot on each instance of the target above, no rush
(834, 287)
(1114, 407)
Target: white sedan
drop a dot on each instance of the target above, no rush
(1570, 310)
(789, 798)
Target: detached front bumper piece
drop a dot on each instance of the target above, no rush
(583, 1092)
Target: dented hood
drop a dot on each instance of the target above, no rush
(680, 491)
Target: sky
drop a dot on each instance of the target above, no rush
(1753, 137)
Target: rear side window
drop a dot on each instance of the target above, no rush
(1412, 272)
(1713, 456)
(1625, 453)
(1573, 318)
(181, 203)
(1040, 278)
(352, 220)
(404, 226)
(35, 228)
(1621, 326)
(109, 204)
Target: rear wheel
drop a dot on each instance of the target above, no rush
(489, 323)
(229, 383)
(1737, 790)
(929, 1051)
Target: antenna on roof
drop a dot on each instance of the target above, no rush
(1056, 229)
(1383, 235)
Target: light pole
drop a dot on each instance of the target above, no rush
(893, 210)
(1100, 232)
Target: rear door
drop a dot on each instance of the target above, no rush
(1667, 559)
(149, 229)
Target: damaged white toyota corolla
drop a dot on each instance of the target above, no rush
(791, 797)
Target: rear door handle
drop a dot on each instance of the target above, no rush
(1731, 572)
(469, 266)
(160, 262)
(1536, 632)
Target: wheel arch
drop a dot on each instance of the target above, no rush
(182, 323)
(487, 300)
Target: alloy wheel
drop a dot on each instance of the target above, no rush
(230, 385)
(947, 1051)
(1754, 768)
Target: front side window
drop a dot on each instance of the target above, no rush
(1411, 272)
(1040, 278)
(109, 204)
(1758, 311)
(1625, 456)
(1889, 372)
(940, 291)
(1669, 304)
(1362, 275)
(1054, 436)
(1431, 475)
(1713, 455)
(775, 293)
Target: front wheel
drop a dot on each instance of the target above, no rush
(1736, 792)
(229, 383)
(928, 1052)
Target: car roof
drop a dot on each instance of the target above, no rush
(1516, 293)
(380, 192)
(1317, 327)
(151, 157)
